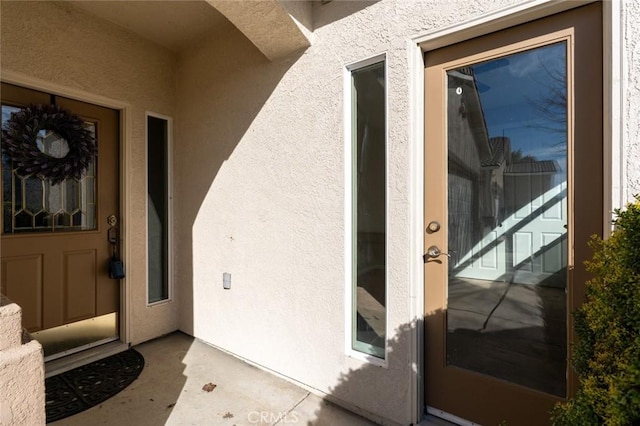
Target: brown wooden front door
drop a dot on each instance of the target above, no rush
(54, 240)
(513, 191)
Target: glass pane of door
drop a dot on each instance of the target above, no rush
(507, 215)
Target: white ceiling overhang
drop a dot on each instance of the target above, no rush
(176, 24)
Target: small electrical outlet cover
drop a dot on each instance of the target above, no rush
(226, 280)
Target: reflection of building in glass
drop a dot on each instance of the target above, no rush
(506, 213)
(507, 241)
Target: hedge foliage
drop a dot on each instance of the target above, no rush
(607, 355)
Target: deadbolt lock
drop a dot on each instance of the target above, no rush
(434, 226)
(112, 220)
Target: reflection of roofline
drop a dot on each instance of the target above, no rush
(537, 168)
(460, 75)
(500, 147)
(466, 74)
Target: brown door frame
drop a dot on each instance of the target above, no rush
(588, 175)
(122, 110)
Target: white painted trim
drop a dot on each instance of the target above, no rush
(169, 194)
(450, 417)
(348, 203)
(495, 21)
(489, 23)
(613, 109)
(388, 86)
(348, 210)
(364, 357)
(29, 82)
(416, 221)
(125, 135)
(362, 64)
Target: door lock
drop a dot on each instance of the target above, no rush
(434, 252)
(116, 267)
(434, 226)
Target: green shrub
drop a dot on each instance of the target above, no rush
(607, 355)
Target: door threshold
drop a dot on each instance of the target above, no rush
(443, 415)
(77, 359)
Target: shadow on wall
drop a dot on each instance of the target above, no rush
(355, 382)
(223, 83)
(509, 344)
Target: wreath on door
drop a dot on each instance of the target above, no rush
(20, 143)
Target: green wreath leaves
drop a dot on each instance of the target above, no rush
(19, 143)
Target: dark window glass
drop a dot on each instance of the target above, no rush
(369, 215)
(157, 209)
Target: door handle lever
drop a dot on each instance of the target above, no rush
(434, 252)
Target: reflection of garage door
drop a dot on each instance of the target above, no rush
(536, 209)
(479, 253)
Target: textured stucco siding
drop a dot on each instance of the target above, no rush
(631, 102)
(260, 184)
(10, 324)
(21, 371)
(22, 379)
(259, 174)
(55, 43)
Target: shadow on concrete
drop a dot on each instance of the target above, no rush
(151, 398)
(164, 379)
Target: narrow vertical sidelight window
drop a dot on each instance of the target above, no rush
(158, 218)
(368, 209)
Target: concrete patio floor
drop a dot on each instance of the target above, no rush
(169, 391)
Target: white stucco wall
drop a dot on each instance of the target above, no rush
(77, 53)
(22, 400)
(260, 185)
(631, 101)
(259, 175)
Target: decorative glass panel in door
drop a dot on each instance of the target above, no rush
(31, 204)
(507, 217)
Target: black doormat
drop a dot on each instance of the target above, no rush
(83, 387)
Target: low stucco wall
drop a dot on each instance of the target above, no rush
(22, 401)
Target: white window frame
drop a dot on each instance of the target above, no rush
(349, 244)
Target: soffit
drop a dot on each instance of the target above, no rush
(170, 23)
